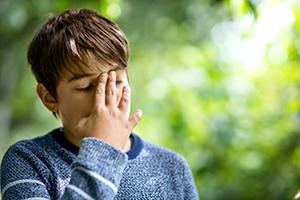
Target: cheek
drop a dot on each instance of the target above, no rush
(75, 107)
(85, 104)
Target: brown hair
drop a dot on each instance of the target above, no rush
(67, 41)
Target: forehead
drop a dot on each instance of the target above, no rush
(89, 67)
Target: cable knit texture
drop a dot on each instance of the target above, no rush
(42, 168)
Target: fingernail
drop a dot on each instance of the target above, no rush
(127, 88)
(112, 73)
(139, 113)
(102, 75)
(112, 76)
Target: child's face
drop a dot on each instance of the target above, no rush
(75, 96)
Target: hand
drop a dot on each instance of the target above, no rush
(109, 119)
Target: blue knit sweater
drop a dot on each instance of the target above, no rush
(49, 167)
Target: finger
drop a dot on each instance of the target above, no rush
(135, 118)
(111, 96)
(100, 90)
(124, 103)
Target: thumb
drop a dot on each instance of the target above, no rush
(135, 118)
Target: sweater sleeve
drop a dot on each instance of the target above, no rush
(95, 174)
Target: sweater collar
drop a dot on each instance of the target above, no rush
(136, 143)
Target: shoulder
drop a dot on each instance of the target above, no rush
(173, 165)
(24, 152)
(176, 166)
(166, 156)
(32, 146)
(42, 149)
(22, 160)
(160, 151)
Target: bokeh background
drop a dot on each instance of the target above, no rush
(218, 81)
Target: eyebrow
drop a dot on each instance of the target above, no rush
(81, 76)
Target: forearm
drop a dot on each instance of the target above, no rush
(97, 172)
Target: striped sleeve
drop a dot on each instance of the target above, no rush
(95, 174)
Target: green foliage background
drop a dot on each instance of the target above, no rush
(218, 81)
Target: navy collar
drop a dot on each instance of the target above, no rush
(136, 143)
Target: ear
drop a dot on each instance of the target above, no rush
(47, 99)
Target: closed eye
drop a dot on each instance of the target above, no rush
(91, 87)
(88, 88)
(118, 82)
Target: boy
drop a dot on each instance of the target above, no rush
(79, 59)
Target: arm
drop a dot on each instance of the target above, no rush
(95, 180)
(110, 122)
